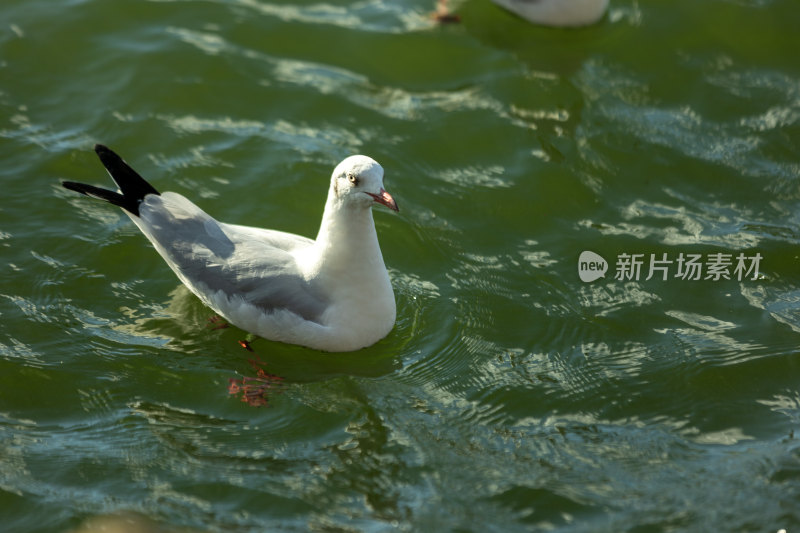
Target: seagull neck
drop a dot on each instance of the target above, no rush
(347, 237)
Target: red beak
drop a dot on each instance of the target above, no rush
(386, 199)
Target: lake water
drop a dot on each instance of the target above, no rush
(511, 395)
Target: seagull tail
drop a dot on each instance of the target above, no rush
(132, 187)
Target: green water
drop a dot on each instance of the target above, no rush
(511, 395)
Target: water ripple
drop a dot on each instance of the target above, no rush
(738, 144)
(368, 16)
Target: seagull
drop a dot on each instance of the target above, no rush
(557, 12)
(331, 294)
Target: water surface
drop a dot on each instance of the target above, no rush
(511, 396)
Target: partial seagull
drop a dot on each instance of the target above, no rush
(331, 294)
(557, 12)
(545, 12)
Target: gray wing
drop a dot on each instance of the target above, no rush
(246, 262)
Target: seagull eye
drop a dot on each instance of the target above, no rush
(353, 179)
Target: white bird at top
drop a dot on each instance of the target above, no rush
(557, 12)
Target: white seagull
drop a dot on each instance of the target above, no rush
(557, 12)
(331, 294)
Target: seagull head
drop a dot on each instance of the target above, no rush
(358, 182)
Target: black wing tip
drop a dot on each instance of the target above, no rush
(82, 188)
(111, 197)
(128, 180)
(102, 149)
(72, 185)
(109, 157)
(133, 188)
